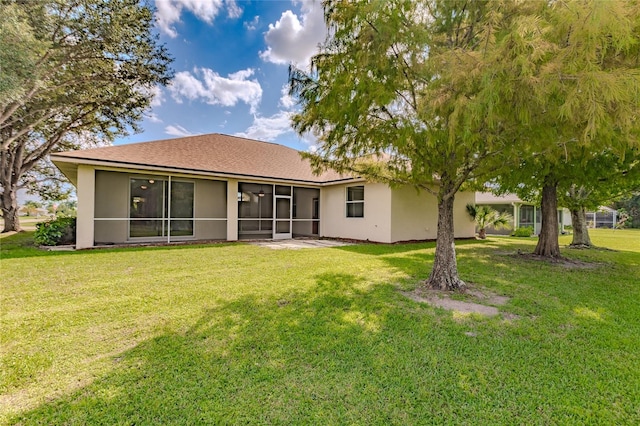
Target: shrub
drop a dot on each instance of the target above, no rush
(61, 230)
(526, 231)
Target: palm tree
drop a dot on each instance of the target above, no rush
(486, 216)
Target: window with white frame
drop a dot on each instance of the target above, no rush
(355, 201)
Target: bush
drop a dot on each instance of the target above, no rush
(56, 232)
(527, 231)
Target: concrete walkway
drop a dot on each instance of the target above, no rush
(295, 244)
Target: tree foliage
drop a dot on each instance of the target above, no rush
(631, 207)
(598, 182)
(19, 53)
(400, 93)
(579, 104)
(485, 216)
(83, 72)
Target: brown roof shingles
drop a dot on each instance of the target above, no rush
(212, 153)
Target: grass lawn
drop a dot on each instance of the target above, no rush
(234, 333)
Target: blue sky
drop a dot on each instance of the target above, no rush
(231, 63)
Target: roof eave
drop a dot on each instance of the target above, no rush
(69, 166)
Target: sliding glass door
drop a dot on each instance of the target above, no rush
(160, 208)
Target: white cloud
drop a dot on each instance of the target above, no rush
(211, 87)
(185, 85)
(295, 40)
(268, 128)
(252, 25)
(158, 96)
(153, 117)
(168, 12)
(178, 130)
(286, 101)
(311, 141)
(233, 10)
(154, 93)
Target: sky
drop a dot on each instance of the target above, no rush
(231, 60)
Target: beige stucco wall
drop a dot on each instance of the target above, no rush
(86, 192)
(210, 198)
(374, 226)
(210, 201)
(112, 201)
(232, 210)
(415, 215)
(464, 226)
(113, 190)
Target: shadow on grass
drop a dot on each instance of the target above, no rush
(318, 356)
(348, 351)
(381, 249)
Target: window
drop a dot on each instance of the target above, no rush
(355, 201)
(154, 212)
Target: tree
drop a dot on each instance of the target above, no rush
(64, 208)
(19, 52)
(581, 101)
(31, 207)
(631, 207)
(91, 67)
(401, 92)
(485, 217)
(595, 183)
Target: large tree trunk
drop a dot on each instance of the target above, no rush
(548, 244)
(444, 275)
(9, 206)
(580, 228)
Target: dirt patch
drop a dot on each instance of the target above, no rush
(476, 301)
(557, 261)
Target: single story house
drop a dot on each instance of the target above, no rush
(604, 217)
(219, 187)
(524, 214)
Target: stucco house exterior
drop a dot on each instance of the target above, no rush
(219, 187)
(524, 214)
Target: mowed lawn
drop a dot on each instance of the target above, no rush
(237, 334)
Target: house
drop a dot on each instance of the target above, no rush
(603, 217)
(524, 214)
(219, 187)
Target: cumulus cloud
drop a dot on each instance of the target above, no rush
(268, 128)
(209, 86)
(178, 130)
(233, 10)
(168, 12)
(286, 101)
(295, 40)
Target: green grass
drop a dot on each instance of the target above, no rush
(233, 333)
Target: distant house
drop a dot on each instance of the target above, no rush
(524, 214)
(604, 217)
(219, 187)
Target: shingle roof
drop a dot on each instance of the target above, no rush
(212, 153)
